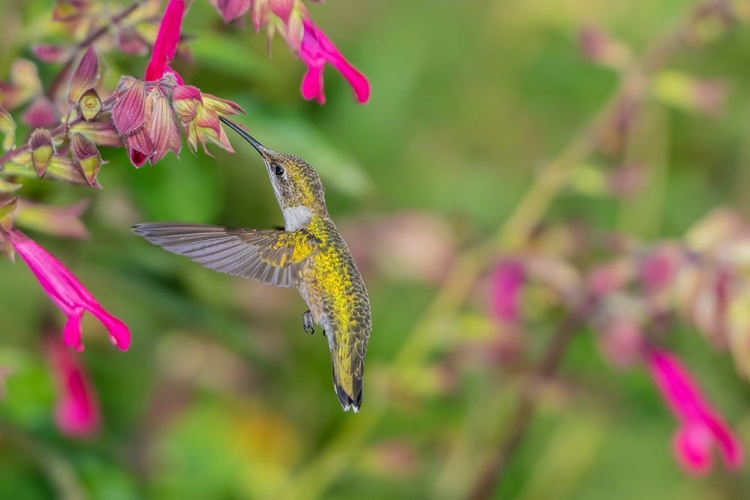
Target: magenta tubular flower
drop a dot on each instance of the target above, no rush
(64, 289)
(505, 282)
(700, 426)
(315, 51)
(76, 408)
(167, 40)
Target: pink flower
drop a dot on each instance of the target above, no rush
(506, 281)
(700, 426)
(64, 289)
(167, 40)
(315, 51)
(76, 409)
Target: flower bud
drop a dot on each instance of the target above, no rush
(90, 104)
(185, 100)
(8, 129)
(85, 76)
(86, 156)
(41, 113)
(7, 207)
(42, 149)
(130, 111)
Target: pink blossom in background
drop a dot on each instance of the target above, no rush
(315, 51)
(167, 40)
(64, 289)
(505, 282)
(76, 408)
(700, 426)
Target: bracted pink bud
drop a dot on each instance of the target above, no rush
(41, 113)
(232, 9)
(86, 156)
(42, 149)
(129, 113)
(84, 77)
(185, 100)
(164, 134)
(90, 104)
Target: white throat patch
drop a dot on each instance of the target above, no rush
(296, 217)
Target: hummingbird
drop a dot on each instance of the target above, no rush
(309, 254)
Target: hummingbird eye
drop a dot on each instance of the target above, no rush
(278, 170)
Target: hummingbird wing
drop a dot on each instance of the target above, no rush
(269, 256)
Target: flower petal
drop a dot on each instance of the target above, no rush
(130, 111)
(85, 76)
(167, 40)
(64, 289)
(76, 409)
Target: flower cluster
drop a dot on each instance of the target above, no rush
(291, 20)
(636, 297)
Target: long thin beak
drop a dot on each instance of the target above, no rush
(264, 152)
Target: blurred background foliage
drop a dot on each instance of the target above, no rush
(222, 395)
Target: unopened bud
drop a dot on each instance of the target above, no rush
(86, 156)
(42, 149)
(90, 104)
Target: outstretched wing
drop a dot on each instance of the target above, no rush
(269, 256)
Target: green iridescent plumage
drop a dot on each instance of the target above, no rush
(309, 254)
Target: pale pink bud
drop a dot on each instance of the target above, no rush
(129, 113)
(85, 76)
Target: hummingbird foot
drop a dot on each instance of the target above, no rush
(307, 323)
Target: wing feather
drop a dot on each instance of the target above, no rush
(263, 255)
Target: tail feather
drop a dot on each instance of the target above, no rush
(348, 398)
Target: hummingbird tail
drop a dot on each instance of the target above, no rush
(348, 398)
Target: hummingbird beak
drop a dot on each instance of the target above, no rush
(264, 152)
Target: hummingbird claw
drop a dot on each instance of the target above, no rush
(307, 323)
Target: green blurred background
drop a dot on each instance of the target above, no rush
(222, 395)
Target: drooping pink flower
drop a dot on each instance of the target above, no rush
(76, 408)
(167, 40)
(64, 289)
(506, 281)
(700, 425)
(315, 51)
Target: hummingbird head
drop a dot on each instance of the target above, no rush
(296, 184)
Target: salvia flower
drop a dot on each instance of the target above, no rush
(316, 50)
(76, 408)
(64, 289)
(167, 40)
(700, 426)
(506, 281)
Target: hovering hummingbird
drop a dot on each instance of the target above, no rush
(309, 254)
